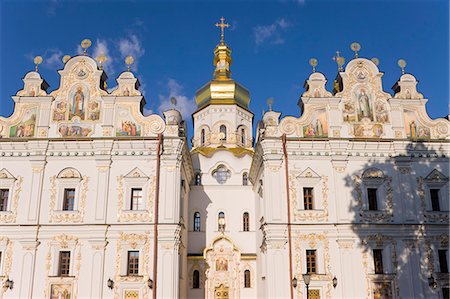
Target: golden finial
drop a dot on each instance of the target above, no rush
(129, 60)
(101, 59)
(339, 60)
(376, 61)
(222, 26)
(313, 62)
(85, 44)
(402, 63)
(66, 58)
(356, 47)
(270, 103)
(37, 61)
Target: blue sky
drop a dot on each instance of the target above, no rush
(272, 42)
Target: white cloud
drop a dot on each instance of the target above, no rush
(101, 48)
(53, 59)
(270, 33)
(185, 105)
(147, 111)
(131, 46)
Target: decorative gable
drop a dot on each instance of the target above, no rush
(136, 173)
(436, 177)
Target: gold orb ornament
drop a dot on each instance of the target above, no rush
(66, 58)
(402, 64)
(85, 44)
(101, 59)
(313, 62)
(129, 60)
(376, 61)
(356, 47)
(37, 61)
(339, 60)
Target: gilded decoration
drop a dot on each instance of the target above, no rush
(223, 261)
(319, 215)
(385, 215)
(125, 215)
(8, 256)
(56, 215)
(134, 241)
(11, 215)
(314, 241)
(56, 285)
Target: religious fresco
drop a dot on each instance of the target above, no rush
(367, 130)
(318, 126)
(74, 130)
(61, 291)
(126, 125)
(221, 264)
(25, 128)
(414, 129)
(78, 98)
(59, 113)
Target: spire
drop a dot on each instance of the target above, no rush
(222, 55)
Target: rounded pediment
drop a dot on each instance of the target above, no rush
(32, 76)
(373, 173)
(407, 78)
(358, 63)
(316, 76)
(73, 62)
(126, 75)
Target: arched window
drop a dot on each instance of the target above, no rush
(223, 129)
(244, 179)
(196, 279)
(203, 137)
(243, 136)
(197, 222)
(221, 221)
(247, 279)
(246, 222)
(198, 179)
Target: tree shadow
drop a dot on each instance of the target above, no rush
(392, 216)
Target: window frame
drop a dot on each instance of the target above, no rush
(68, 203)
(4, 201)
(435, 200)
(247, 279)
(197, 222)
(196, 279)
(311, 261)
(372, 198)
(308, 199)
(246, 222)
(378, 265)
(132, 266)
(64, 263)
(140, 206)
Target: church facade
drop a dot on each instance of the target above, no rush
(98, 200)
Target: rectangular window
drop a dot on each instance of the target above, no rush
(4, 193)
(434, 195)
(64, 263)
(378, 261)
(133, 263)
(308, 198)
(69, 199)
(443, 261)
(372, 197)
(136, 199)
(311, 261)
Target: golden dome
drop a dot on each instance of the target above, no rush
(222, 90)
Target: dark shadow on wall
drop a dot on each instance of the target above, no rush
(398, 232)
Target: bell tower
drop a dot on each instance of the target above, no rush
(222, 118)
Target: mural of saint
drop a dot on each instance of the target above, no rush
(364, 105)
(414, 129)
(74, 130)
(61, 291)
(126, 125)
(78, 102)
(221, 264)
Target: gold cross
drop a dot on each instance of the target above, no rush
(222, 26)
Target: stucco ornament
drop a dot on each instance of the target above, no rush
(16, 183)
